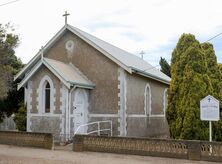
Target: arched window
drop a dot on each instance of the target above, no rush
(147, 100)
(47, 97)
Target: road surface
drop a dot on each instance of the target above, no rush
(22, 155)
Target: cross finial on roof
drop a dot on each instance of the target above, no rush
(142, 53)
(66, 15)
(42, 52)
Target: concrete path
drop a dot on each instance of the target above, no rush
(21, 155)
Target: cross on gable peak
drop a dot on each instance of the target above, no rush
(66, 15)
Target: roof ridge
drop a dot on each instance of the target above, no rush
(121, 57)
(129, 53)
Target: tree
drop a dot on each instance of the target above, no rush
(9, 66)
(215, 76)
(165, 67)
(220, 67)
(20, 118)
(192, 66)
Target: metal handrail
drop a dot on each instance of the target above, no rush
(98, 125)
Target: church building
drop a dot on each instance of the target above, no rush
(77, 78)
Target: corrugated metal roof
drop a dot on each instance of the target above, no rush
(125, 57)
(69, 73)
(126, 60)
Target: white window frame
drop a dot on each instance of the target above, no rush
(147, 107)
(42, 85)
(164, 101)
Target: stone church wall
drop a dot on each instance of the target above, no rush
(103, 99)
(139, 123)
(96, 67)
(45, 122)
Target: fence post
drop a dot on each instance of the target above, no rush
(78, 144)
(194, 150)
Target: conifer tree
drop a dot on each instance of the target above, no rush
(215, 76)
(220, 67)
(165, 67)
(190, 82)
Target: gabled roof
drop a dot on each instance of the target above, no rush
(124, 58)
(127, 61)
(67, 73)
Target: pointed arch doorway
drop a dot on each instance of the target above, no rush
(80, 111)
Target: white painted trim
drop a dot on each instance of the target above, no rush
(71, 29)
(27, 77)
(67, 128)
(85, 97)
(41, 95)
(56, 37)
(122, 102)
(164, 101)
(136, 115)
(157, 115)
(144, 116)
(29, 105)
(36, 67)
(149, 108)
(25, 95)
(103, 115)
(44, 115)
(146, 74)
(63, 91)
(38, 55)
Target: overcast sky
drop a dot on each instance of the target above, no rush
(153, 26)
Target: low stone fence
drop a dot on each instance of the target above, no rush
(29, 139)
(193, 150)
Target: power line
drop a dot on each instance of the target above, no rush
(213, 37)
(7, 3)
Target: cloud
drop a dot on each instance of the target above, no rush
(150, 25)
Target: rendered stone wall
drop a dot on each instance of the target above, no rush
(192, 150)
(154, 127)
(8, 124)
(46, 124)
(135, 102)
(39, 140)
(96, 67)
(145, 125)
(36, 78)
(105, 125)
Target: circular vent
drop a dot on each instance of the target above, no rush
(70, 45)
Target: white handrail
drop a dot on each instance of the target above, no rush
(98, 125)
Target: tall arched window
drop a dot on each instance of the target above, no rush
(147, 100)
(47, 97)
